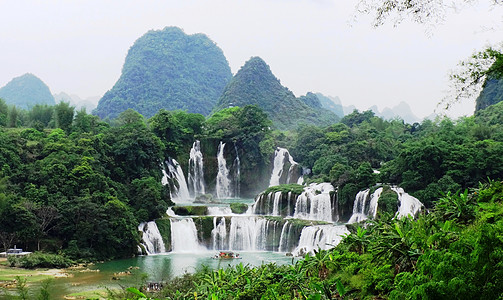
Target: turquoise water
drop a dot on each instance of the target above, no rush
(155, 268)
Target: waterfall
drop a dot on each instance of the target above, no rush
(178, 190)
(281, 156)
(374, 201)
(219, 211)
(275, 207)
(152, 239)
(253, 234)
(314, 203)
(320, 236)
(277, 170)
(223, 182)
(237, 174)
(360, 209)
(408, 204)
(184, 236)
(196, 174)
(289, 237)
(219, 234)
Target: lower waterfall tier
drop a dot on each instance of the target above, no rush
(247, 233)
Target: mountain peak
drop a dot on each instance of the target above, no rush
(168, 69)
(255, 84)
(26, 91)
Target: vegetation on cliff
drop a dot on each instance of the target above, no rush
(255, 84)
(26, 91)
(168, 69)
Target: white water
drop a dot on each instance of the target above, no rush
(251, 233)
(196, 174)
(170, 212)
(180, 192)
(320, 237)
(219, 234)
(275, 207)
(184, 236)
(408, 204)
(152, 239)
(219, 211)
(237, 173)
(360, 211)
(277, 170)
(281, 156)
(314, 203)
(284, 240)
(373, 202)
(223, 186)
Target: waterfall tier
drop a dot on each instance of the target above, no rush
(282, 161)
(223, 186)
(175, 178)
(152, 239)
(320, 237)
(196, 174)
(366, 204)
(316, 202)
(184, 236)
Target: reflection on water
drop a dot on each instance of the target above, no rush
(157, 268)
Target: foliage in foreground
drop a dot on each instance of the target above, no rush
(455, 252)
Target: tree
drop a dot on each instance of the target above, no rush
(12, 117)
(4, 111)
(63, 115)
(422, 12)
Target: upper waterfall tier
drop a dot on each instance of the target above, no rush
(283, 161)
(196, 174)
(174, 176)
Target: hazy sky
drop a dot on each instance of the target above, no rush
(79, 46)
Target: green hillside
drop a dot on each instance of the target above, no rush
(255, 84)
(25, 91)
(168, 69)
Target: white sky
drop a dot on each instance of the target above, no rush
(79, 46)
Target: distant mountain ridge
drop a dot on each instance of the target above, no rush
(255, 84)
(401, 111)
(168, 69)
(26, 91)
(89, 103)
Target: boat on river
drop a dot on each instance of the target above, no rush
(226, 255)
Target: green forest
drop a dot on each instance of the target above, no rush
(76, 186)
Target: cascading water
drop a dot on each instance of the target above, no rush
(253, 234)
(289, 237)
(315, 203)
(320, 237)
(196, 174)
(184, 236)
(219, 211)
(237, 173)
(362, 210)
(179, 191)
(219, 234)
(223, 186)
(408, 204)
(281, 156)
(152, 239)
